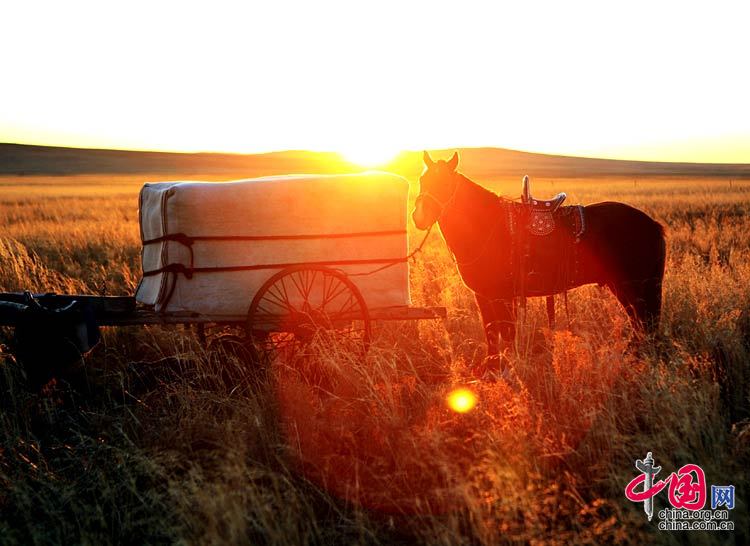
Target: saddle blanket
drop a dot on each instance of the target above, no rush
(551, 249)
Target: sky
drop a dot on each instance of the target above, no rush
(655, 80)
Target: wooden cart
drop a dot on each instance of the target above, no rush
(293, 306)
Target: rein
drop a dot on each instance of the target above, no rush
(442, 205)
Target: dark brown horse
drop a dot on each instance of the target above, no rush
(618, 246)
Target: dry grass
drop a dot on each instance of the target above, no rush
(157, 439)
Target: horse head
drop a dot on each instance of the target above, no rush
(437, 188)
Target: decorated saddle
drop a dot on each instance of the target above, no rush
(547, 240)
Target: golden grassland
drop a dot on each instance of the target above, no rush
(156, 438)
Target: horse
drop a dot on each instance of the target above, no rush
(490, 237)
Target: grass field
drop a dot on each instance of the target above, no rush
(158, 440)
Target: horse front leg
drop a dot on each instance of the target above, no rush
(499, 323)
(505, 313)
(490, 325)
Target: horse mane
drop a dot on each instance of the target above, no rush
(481, 192)
(477, 212)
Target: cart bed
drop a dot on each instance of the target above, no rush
(124, 311)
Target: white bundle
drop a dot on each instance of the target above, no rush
(283, 220)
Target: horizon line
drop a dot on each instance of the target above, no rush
(397, 153)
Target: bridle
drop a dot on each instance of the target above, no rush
(442, 205)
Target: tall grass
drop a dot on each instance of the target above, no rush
(159, 439)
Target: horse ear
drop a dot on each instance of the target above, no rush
(427, 159)
(453, 162)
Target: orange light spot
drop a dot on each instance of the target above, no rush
(461, 400)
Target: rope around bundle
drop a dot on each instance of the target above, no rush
(190, 270)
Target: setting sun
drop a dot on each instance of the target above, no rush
(369, 156)
(461, 400)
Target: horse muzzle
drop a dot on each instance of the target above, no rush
(420, 216)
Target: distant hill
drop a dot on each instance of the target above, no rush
(493, 162)
(483, 163)
(36, 160)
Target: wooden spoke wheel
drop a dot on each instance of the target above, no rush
(303, 304)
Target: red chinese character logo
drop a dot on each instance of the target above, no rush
(641, 496)
(683, 493)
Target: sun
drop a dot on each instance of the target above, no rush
(369, 156)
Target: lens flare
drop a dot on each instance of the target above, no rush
(461, 400)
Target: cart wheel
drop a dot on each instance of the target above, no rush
(303, 303)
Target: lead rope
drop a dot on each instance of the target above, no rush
(397, 261)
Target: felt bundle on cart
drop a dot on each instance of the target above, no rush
(209, 246)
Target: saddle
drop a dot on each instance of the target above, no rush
(540, 212)
(542, 215)
(547, 245)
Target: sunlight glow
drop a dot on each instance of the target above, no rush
(461, 400)
(341, 76)
(371, 157)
